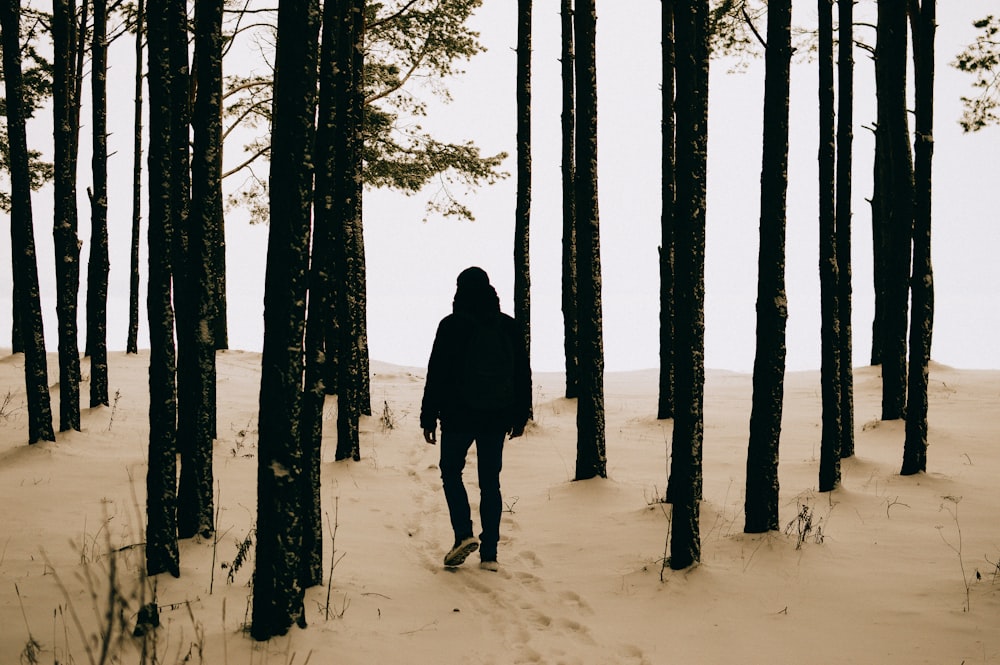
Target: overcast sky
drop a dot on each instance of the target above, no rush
(412, 263)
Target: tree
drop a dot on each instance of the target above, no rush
(67, 244)
(522, 213)
(132, 343)
(691, 28)
(162, 554)
(922, 21)
(22, 235)
(278, 588)
(665, 404)
(591, 457)
(569, 272)
(405, 41)
(895, 200)
(843, 215)
(761, 504)
(98, 264)
(981, 58)
(829, 274)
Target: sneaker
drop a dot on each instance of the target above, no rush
(490, 565)
(461, 551)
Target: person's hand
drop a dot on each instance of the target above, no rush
(516, 431)
(430, 436)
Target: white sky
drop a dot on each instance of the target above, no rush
(412, 264)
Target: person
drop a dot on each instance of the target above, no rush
(479, 388)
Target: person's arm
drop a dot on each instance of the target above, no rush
(430, 407)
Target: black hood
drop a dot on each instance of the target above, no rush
(474, 295)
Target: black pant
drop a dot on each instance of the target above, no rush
(455, 446)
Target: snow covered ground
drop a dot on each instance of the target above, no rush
(887, 570)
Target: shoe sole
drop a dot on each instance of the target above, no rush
(458, 557)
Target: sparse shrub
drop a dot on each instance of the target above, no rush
(388, 419)
(803, 527)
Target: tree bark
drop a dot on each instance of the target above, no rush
(522, 213)
(591, 458)
(64, 232)
(98, 267)
(845, 150)
(922, 21)
(132, 343)
(569, 261)
(665, 403)
(829, 274)
(685, 484)
(162, 554)
(22, 236)
(278, 588)
(896, 199)
(761, 505)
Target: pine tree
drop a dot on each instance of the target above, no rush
(591, 458)
(761, 504)
(665, 403)
(569, 269)
(843, 215)
(132, 342)
(522, 213)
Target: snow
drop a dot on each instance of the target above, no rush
(892, 569)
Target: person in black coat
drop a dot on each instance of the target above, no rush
(479, 388)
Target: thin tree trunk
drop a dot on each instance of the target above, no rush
(356, 257)
(591, 457)
(922, 20)
(569, 262)
(67, 243)
(162, 554)
(845, 148)
(97, 274)
(22, 235)
(692, 58)
(665, 403)
(522, 213)
(896, 200)
(829, 274)
(278, 585)
(132, 344)
(761, 504)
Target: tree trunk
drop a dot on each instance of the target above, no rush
(522, 214)
(761, 505)
(922, 21)
(22, 235)
(97, 274)
(692, 57)
(162, 553)
(665, 404)
(66, 241)
(591, 458)
(196, 336)
(829, 274)
(132, 344)
(843, 215)
(278, 587)
(896, 199)
(569, 262)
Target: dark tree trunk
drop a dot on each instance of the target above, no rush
(845, 141)
(829, 274)
(522, 213)
(97, 273)
(132, 344)
(66, 241)
(27, 303)
(665, 404)
(569, 267)
(922, 20)
(162, 553)
(17, 346)
(896, 200)
(278, 587)
(196, 338)
(692, 57)
(761, 505)
(591, 457)
(353, 397)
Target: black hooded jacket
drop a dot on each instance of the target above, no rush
(475, 303)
